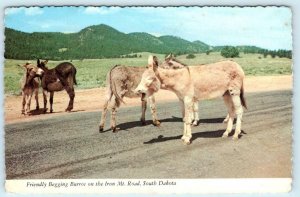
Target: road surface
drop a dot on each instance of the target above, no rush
(70, 146)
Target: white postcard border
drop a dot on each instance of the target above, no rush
(149, 186)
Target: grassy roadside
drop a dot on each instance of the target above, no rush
(91, 73)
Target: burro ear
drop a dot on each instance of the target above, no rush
(155, 61)
(152, 62)
(45, 62)
(170, 56)
(38, 62)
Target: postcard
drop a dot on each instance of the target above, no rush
(148, 100)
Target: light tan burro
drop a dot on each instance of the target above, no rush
(29, 86)
(195, 83)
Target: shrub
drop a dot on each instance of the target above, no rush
(230, 52)
(190, 56)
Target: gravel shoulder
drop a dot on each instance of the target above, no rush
(93, 99)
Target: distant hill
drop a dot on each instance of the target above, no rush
(98, 41)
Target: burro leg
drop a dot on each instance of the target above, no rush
(195, 113)
(51, 101)
(103, 116)
(230, 117)
(187, 130)
(23, 103)
(153, 111)
(45, 100)
(36, 92)
(239, 115)
(144, 108)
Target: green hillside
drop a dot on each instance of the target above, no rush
(103, 41)
(98, 41)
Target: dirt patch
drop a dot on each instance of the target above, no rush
(93, 99)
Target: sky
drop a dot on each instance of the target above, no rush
(266, 27)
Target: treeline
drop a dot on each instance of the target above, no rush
(102, 41)
(229, 51)
(278, 53)
(273, 53)
(94, 42)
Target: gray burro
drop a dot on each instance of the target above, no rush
(121, 82)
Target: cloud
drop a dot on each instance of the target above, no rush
(31, 11)
(12, 11)
(156, 34)
(100, 10)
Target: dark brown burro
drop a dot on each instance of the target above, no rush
(56, 79)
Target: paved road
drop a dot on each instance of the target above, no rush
(70, 146)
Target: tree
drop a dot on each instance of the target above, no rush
(230, 52)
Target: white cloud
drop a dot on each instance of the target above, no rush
(31, 11)
(45, 26)
(156, 34)
(100, 10)
(264, 27)
(11, 11)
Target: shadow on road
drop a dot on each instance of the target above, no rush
(208, 120)
(206, 134)
(37, 112)
(133, 124)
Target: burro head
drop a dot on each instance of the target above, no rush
(31, 71)
(171, 63)
(150, 82)
(41, 63)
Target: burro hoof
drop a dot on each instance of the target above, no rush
(156, 123)
(235, 137)
(224, 135)
(101, 129)
(186, 142)
(143, 121)
(115, 129)
(195, 123)
(67, 110)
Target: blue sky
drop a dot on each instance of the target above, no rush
(268, 27)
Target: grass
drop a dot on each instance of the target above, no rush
(91, 73)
